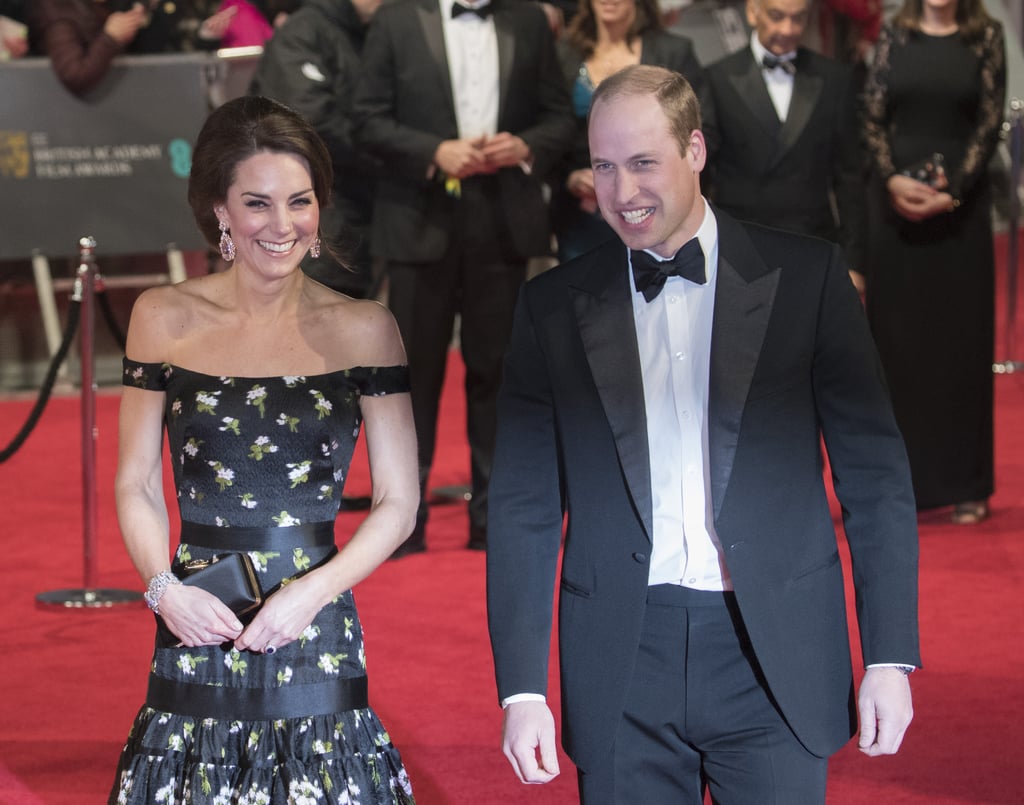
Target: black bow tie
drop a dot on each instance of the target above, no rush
(771, 61)
(650, 274)
(481, 11)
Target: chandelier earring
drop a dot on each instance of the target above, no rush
(227, 245)
(314, 249)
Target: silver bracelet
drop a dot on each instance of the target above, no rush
(157, 587)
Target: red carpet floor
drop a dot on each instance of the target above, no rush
(71, 681)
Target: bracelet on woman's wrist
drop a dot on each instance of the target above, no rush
(157, 587)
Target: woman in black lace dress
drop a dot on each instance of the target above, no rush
(262, 379)
(937, 87)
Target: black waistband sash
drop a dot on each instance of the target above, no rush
(234, 538)
(257, 704)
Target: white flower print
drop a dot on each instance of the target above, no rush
(191, 447)
(247, 501)
(188, 662)
(166, 794)
(254, 796)
(311, 632)
(291, 381)
(225, 476)
(298, 473)
(304, 792)
(230, 424)
(291, 421)
(330, 663)
(176, 407)
(206, 402)
(322, 405)
(285, 520)
(255, 397)
(285, 676)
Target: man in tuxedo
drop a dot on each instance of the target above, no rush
(466, 109)
(676, 422)
(780, 122)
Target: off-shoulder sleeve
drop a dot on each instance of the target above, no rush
(148, 376)
(380, 380)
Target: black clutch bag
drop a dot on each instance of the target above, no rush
(229, 576)
(931, 170)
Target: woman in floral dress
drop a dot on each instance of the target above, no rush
(263, 379)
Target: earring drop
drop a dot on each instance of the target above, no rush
(227, 245)
(314, 249)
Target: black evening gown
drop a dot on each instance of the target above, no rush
(930, 294)
(259, 466)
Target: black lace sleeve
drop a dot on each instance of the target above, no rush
(991, 51)
(876, 105)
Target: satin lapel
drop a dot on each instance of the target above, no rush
(604, 314)
(429, 14)
(744, 297)
(749, 85)
(807, 89)
(506, 57)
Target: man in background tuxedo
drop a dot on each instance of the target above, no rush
(674, 410)
(466, 109)
(781, 127)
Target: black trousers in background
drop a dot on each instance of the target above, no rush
(479, 279)
(698, 714)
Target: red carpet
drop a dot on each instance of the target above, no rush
(71, 681)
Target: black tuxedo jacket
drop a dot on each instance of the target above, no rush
(792, 363)
(404, 109)
(782, 174)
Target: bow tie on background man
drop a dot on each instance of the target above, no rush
(650, 273)
(481, 11)
(771, 61)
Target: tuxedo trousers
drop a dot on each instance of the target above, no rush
(477, 280)
(699, 717)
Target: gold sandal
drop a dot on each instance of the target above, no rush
(970, 513)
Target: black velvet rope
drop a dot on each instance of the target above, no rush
(74, 314)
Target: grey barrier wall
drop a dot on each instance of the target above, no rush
(113, 165)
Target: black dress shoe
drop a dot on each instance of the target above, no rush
(477, 538)
(415, 543)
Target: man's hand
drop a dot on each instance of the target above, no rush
(504, 150)
(462, 158)
(886, 710)
(528, 741)
(121, 26)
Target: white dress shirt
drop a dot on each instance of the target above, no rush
(777, 80)
(472, 47)
(674, 339)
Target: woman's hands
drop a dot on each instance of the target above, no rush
(196, 617)
(917, 201)
(284, 616)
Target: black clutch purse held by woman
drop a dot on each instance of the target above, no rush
(231, 577)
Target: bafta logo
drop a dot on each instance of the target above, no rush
(14, 154)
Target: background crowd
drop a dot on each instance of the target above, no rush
(460, 155)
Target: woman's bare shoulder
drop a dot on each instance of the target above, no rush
(363, 331)
(162, 315)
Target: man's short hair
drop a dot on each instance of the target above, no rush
(673, 92)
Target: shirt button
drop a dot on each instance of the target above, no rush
(686, 414)
(691, 581)
(640, 557)
(680, 356)
(673, 299)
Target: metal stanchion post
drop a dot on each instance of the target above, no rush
(1016, 134)
(89, 595)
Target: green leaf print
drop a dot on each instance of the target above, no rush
(206, 402)
(188, 663)
(225, 477)
(230, 424)
(311, 632)
(261, 447)
(191, 447)
(299, 559)
(291, 421)
(321, 404)
(256, 397)
(285, 520)
(298, 473)
(284, 677)
(204, 779)
(349, 623)
(235, 662)
(330, 663)
(247, 501)
(261, 558)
